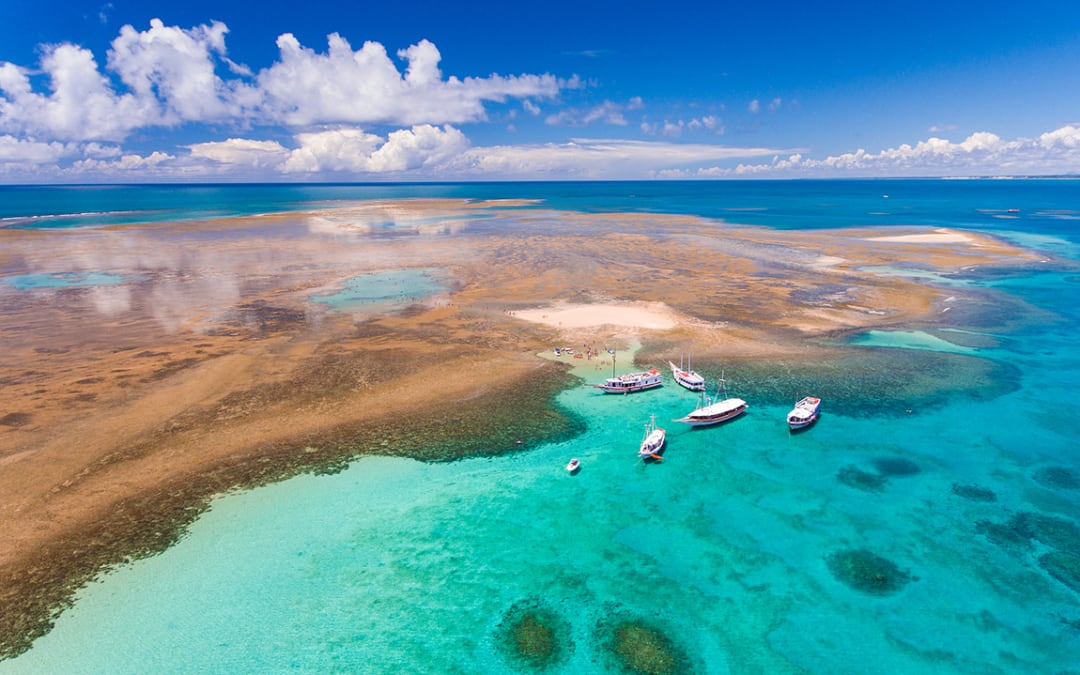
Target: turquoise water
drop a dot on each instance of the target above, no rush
(24, 282)
(1044, 206)
(729, 545)
(392, 287)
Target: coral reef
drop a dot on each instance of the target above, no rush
(974, 493)
(862, 480)
(1055, 532)
(867, 572)
(1021, 529)
(1004, 535)
(1058, 477)
(534, 635)
(896, 466)
(1065, 567)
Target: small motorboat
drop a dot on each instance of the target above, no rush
(573, 465)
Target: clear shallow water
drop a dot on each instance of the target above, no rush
(395, 566)
(24, 282)
(384, 288)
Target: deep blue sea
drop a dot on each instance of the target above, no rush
(941, 540)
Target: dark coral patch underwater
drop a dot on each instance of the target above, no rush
(867, 572)
(533, 635)
(639, 646)
(855, 477)
(974, 493)
(1058, 477)
(1065, 567)
(896, 466)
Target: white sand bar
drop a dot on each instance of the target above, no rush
(938, 237)
(650, 315)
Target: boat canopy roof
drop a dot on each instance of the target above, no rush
(719, 408)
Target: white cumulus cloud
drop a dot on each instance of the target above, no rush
(18, 151)
(349, 150)
(174, 68)
(168, 76)
(241, 151)
(81, 105)
(592, 159)
(981, 153)
(365, 86)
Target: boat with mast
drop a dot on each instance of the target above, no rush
(715, 410)
(630, 382)
(652, 441)
(688, 378)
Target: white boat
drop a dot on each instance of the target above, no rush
(712, 411)
(573, 465)
(690, 379)
(652, 441)
(804, 413)
(624, 384)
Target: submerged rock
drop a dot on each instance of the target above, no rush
(643, 649)
(862, 480)
(1064, 535)
(1005, 535)
(1065, 567)
(1058, 477)
(896, 466)
(974, 493)
(864, 571)
(534, 635)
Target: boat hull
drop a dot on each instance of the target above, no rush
(627, 384)
(687, 378)
(652, 444)
(801, 424)
(804, 413)
(710, 421)
(717, 413)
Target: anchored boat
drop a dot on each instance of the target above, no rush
(624, 384)
(688, 378)
(653, 440)
(804, 413)
(713, 411)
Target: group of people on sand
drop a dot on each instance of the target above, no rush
(587, 351)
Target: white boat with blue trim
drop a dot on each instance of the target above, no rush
(712, 411)
(804, 413)
(630, 382)
(688, 378)
(652, 442)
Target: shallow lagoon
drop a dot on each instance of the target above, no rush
(398, 566)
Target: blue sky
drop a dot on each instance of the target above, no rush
(127, 91)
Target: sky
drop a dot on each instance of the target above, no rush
(199, 91)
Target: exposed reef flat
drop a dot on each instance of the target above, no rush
(152, 366)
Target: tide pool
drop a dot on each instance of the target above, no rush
(392, 287)
(25, 282)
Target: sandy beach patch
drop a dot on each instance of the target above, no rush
(648, 316)
(936, 237)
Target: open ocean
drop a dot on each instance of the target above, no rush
(939, 538)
